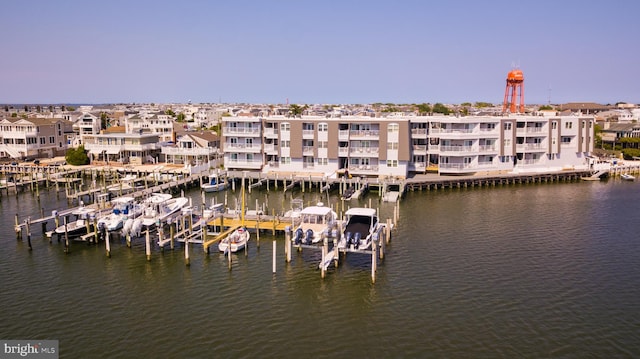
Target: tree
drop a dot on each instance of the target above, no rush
(295, 110)
(103, 120)
(180, 117)
(6, 108)
(545, 108)
(466, 104)
(483, 104)
(440, 108)
(170, 113)
(77, 156)
(39, 108)
(424, 109)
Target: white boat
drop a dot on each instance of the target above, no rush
(214, 185)
(123, 208)
(79, 226)
(316, 222)
(360, 229)
(627, 177)
(296, 210)
(158, 209)
(234, 242)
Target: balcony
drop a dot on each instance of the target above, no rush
(364, 134)
(419, 149)
(270, 149)
(243, 147)
(271, 132)
(307, 134)
(418, 133)
(246, 131)
(530, 147)
(363, 169)
(487, 148)
(194, 151)
(458, 149)
(243, 164)
(343, 135)
(343, 151)
(364, 151)
(307, 150)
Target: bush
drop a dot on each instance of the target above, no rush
(629, 153)
(77, 156)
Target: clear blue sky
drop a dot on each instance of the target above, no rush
(317, 51)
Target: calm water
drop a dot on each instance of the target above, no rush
(545, 270)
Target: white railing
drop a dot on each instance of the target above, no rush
(486, 148)
(364, 150)
(343, 151)
(456, 166)
(307, 133)
(364, 133)
(188, 151)
(418, 131)
(242, 130)
(451, 130)
(243, 146)
(455, 148)
(419, 147)
(307, 149)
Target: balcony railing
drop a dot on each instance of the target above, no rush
(242, 130)
(343, 151)
(455, 148)
(364, 133)
(243, 146)
(487, 148)
(364, 150)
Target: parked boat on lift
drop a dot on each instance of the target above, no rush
(158, 209)
(628, 177)
(234, 242)
(361, 228)
(123, 208)
(215, 184)
(79, 226)
(316, 222)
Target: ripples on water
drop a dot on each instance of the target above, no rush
(520, 271)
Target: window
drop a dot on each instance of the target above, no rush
(285, 144)
(392, 163)
(323, 127)
(285, 126)
(285, 160)
(392, 145)
(52, 139)
(568, 125)
(323, 161)
(507, 126)
(322, 144)
(43, 140)
(554, 125)
(392, 127)
(507, 142)
(566, 140)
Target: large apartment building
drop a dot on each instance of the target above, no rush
(398, 146)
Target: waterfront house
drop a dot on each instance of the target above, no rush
(120, 147)
(195, 149)
(34, 137)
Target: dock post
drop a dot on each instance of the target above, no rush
(325, 246)
(258, 231)
(66, 236)
(28, 224)
(274, 256)
(171, 233)
(287, 243)
(229, 252)
(95, 228)
(382, 244)
(373, 262)
(18, 229)
(148, 245)
(186, 252)
(387, 237)
(107, 244)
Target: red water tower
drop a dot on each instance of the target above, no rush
(514, 92)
